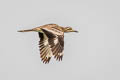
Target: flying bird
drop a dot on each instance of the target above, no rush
(51, 40)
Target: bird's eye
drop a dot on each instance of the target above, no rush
(69, 28)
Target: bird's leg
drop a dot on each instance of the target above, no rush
(26, 30)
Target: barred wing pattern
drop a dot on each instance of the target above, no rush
(51, 44)
(58, 48)
(56, 43)
(45, 50)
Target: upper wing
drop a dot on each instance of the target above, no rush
(45, 50)
(56, 42)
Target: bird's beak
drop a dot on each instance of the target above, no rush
(75, 31)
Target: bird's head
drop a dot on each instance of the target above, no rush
(69, 29)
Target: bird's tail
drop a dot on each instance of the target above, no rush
(26, 30)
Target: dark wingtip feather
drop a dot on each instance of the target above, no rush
(46, 60)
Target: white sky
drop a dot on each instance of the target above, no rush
(92, 54)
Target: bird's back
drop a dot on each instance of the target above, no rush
(54, 28)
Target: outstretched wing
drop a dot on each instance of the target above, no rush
(56, 42)
(45, 50)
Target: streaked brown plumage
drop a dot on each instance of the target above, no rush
(51, 40)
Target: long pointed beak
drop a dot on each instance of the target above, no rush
(75, 31)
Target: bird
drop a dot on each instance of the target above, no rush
(51, 40)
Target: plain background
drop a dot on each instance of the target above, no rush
(91, 54)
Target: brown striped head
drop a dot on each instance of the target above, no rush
(69, 29)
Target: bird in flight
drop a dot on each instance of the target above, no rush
(51, 40)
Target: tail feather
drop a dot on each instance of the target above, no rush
(26, 30)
